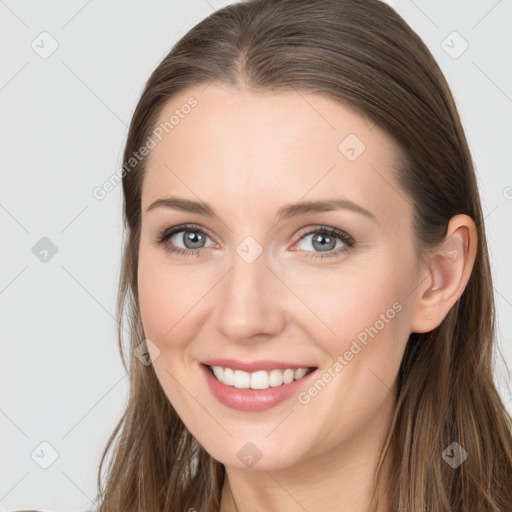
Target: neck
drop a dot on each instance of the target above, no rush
(340, 479)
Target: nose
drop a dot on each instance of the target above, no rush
(248, 304)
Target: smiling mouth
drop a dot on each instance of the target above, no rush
(258, 380)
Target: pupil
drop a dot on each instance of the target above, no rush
(324, 245)
(193, 237)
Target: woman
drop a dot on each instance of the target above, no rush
(306, 268)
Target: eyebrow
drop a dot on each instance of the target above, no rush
(286, 212)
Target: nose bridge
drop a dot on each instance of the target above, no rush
(248, 303)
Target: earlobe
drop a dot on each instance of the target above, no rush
(449, 269)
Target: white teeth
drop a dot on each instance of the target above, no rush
(275, 378)
(288, 376)
(300, 373)
(242, 379)
(228, 376)
(260, 379)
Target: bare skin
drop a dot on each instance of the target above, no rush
(247, 155)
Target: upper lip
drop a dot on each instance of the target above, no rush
(252, 366)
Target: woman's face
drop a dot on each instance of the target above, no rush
(255, 279)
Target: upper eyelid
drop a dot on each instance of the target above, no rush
(179, 228)
(341, 233)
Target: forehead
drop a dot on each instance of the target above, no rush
(247, 149)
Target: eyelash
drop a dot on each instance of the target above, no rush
(164, 235)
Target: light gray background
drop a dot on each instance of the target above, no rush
(62, 133)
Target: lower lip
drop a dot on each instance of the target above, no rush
(252, 399)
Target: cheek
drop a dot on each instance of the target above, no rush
(153, 303)
(174, 303)
(360, 316)
(163, 298)
(370, 324)
(348, 300)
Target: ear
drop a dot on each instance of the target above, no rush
(445, 274)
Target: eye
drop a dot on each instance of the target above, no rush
(192, 237)
(325, 240)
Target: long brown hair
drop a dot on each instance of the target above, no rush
(361, 53)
